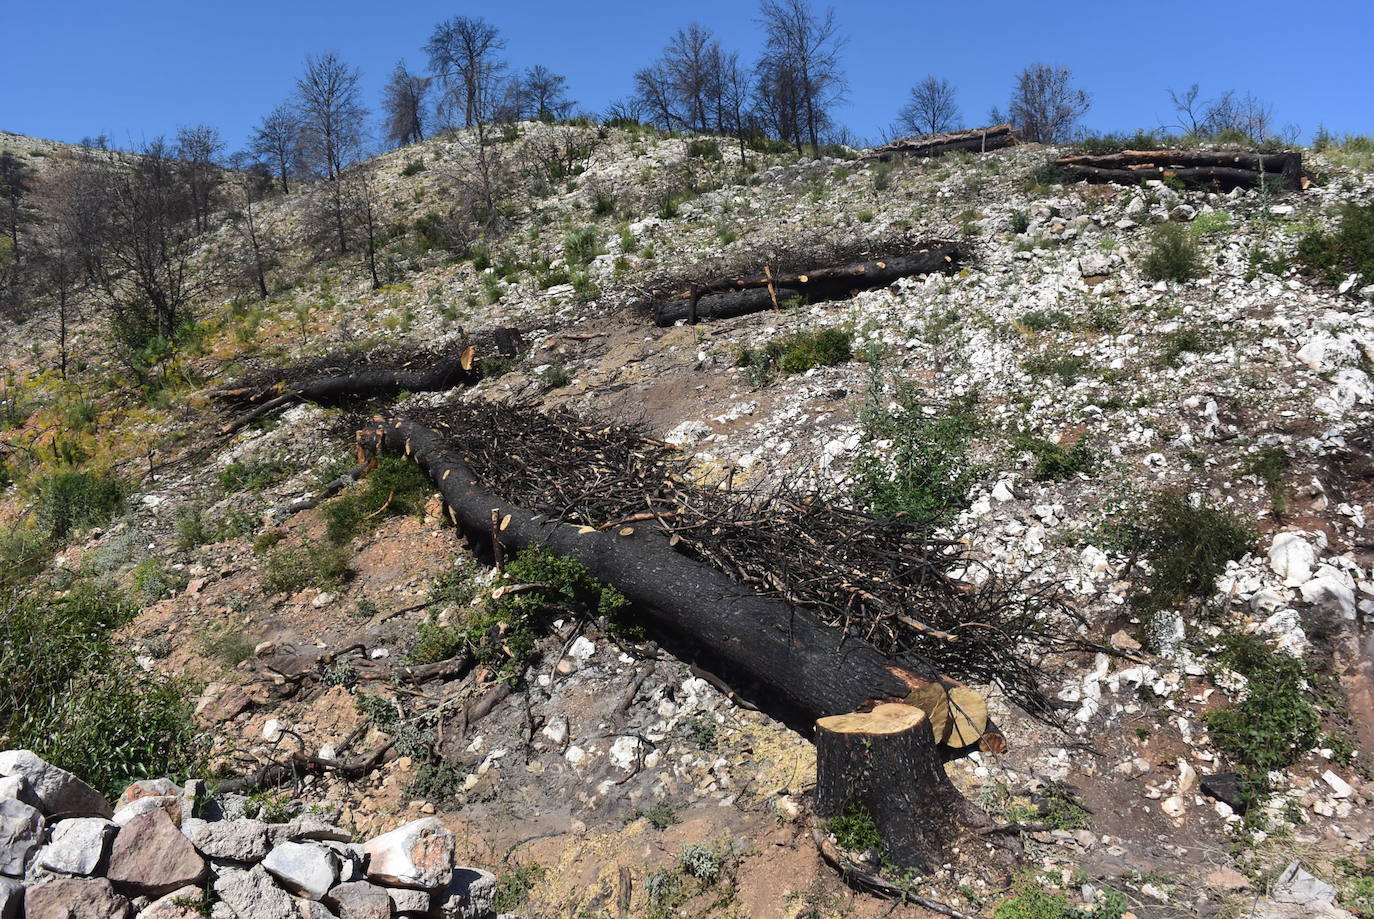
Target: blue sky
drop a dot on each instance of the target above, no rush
(73, 67)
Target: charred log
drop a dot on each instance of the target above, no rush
(836, 282)
(815, 669)
(1223, 169)
(977, 140)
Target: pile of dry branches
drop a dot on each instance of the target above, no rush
(890, 581)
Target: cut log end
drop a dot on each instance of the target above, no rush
(885, 718)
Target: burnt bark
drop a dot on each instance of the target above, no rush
(978, 140)
(885, 764)
(1224, 169)
(834, 282)
(812, 668)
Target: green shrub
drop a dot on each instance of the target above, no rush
(78, 699)
(1186, 546)
(396, 487)
(515, 885)
(1065, 367)
(1185, 341)
(1210, 223)
(1044, 320)
(1275, 722)
(414, 167)
(1173, 255)
(797, 353)
(236, 478)
(437, 780)
(1055, 462)
(1347, 250)
(1270, 465)
(926, 472)
(290, 569)
(704, 148)
(702, 862)
(581, 246)
(228, 644)
(71, 501)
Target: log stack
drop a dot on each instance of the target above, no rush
(977, 140)
(1215, 169)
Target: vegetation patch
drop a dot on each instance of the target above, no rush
(70, 501)
(77, 698)
(290, 569)
(856, 831)
(1172, 254)
(1186, 547)
(1346, 250)
(396, 486)
(796, 353)
(1055, 462)
(1275, 722)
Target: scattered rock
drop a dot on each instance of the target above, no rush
(253, 895)
(78, 898)
(78, 846)
(419, 854)
(242, 840)
(59, 792)
(1225, 787)
(167, 804)
(1296, 886)
(359, 900)
(17, 788)
(405, 901)
(470, 895)
(303, 869)
(151, 857)
(21, 828)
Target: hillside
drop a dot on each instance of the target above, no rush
(1133, 415)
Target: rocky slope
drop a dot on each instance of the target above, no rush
(615, 784)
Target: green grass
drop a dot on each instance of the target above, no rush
(240, 477)
(856, 831)
(1067, 368)
(75, 696)
(581, 246)
(396, 487)
(1270, 465)
(925, 473)
(1173, 254)
(514, 886)
(1055, 462)
(1185, 341)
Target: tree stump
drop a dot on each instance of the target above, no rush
(885, 763)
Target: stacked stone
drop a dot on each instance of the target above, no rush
(165, 852)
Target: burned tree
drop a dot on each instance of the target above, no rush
(802, 48)
(277, 141)
(198, 148)
(403, 101)
(930, 109)
(1045, 107)
(332, 128)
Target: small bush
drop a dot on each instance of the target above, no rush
(71, 501)
(925, 473)
(78, 699)
(1186, 546)
(1055, 462)
(1270, 465)
(1044, 320)
(581, 246)
(704, 148)
(440, 781)
(702, 862)
(227, 644)
(856, 831)
(515, 885)
(797, 353)
(1275, 721)
(1184, 341)
(396, 487)
(240, 477)
(1173, 255)
(1066, 367)
(290, 569)
(414, 167)
(1347, 250)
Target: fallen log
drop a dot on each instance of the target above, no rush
(1224, 169)
(977, 140)
(815, 669)
(449, 372)
(837, 282)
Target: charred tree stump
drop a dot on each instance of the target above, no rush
(814, 669)
(885, 764)
(978, 140)
(752, 294)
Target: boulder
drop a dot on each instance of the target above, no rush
(312, 909)
(21, 828)
(254, 895)
(471, 894)
(17, 787)
(243, 840)
(148, 788)
(1299, 887)
(179, 904)
(11, 898)
(303, 868)
(58, 790)
(151, 857)
(168, 804)
(352, 862)
(77, 846)
(359, 900)
(308, 827)
(1226, 788)
(77, 898)
(419, 855)
(408, 902)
